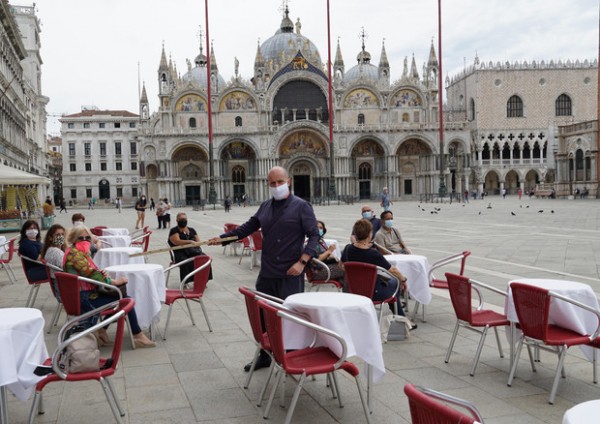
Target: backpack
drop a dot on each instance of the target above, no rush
(80, 356)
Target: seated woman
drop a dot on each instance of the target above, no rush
(53, 251)
(31, 247)
(325, 254)
(180, 236)
(360, 251)
(78, 219)
(78, 261)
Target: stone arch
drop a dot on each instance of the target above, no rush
(531, 179)
(305, 174)
(492, 182)
(237, 100)
(361, 97)
(190, 102)
(406, 97)
(299, 99)
(190, 154)
(303, 142)
(511, 181)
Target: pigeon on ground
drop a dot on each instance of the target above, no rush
(526, 206)
(479, 212)
(541, 211)
(513, 214)
(552, 211)
(489, 206)
(520, 206)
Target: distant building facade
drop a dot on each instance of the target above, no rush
(100, 156)
(22, 105)
(524, 122)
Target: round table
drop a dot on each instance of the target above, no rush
(22, 349)
(583, 413)
(115, 241)
(110, 256)
(351, 316)
(115, 232)
(416, 269)
(146, 284)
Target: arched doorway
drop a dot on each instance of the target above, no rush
(151, 175)
(531, 179)
(511, 182)
(365, 173)
(104, 189)
(191, 164)
(413, 164)
(368, 163)
(238, 165)
(492, 183)
(301, 176)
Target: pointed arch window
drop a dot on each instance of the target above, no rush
(364, 171)
(238, 121)
(192, 122)
(563, 106)
(471, 110)
(361, 119)
(238, 175)
(514, 107)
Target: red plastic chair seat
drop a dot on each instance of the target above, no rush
(315, 360)
(558, 336)
(487, 317)
(175, 294)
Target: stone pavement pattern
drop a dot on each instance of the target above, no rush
(196, 375)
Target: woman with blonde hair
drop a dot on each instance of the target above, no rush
(78, 261)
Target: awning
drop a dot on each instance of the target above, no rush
(12, 176)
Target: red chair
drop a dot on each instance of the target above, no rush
(253, 245)
(200, 279)
(35, 285)
(5, 261)
(260, 336)
(142, 241)
(227, 227)
(361, 278)
(479, 320)
(532, 305)
(51, 269)
(318, 283)
(426, 408)
(69, 289)
(595, 343)
(304, 362)
(97, 231)
(113, 312)
(439, 283)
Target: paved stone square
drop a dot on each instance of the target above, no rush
(197, 376)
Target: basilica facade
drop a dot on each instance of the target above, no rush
(501, 125)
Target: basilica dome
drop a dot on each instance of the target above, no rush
(197, 74)
(363, 70)
(284, 45)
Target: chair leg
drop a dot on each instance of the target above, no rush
(35, 406)
(513, 370)
(187, 303)
(266, 383)
(278, 374)
(131, 339)
(498, 342)
(452, 340)
(256, 353)
(114, 395)
(3, 405)
(335, 384)
(54, 318)
(363, 401)
(205, 314)
(32, 295)
(292, 406)
(479, 348)
(595, 379)
(531, 359)
(110, 400)
(561, 360)
(168, 319)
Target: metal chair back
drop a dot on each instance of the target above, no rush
(429, 407)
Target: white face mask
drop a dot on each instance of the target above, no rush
(77, 223)
(32, 233)
(279, 192)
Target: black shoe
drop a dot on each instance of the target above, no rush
(263, 361)
(414, 327)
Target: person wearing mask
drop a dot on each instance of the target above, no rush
(325, 254)
(53, 251)
(31, 247)
(79, 220)
(361, 251)
(159, 213)
(140, 207)
(180, 236)
(286, 221)
(386, 200)
(367, 213)
(166, 213)
(389, 237)
(78, 261)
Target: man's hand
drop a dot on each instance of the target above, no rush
(296, 269)
(214, 241)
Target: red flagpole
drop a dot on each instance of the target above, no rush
(442, 189)
(212, 195)
(330, 107)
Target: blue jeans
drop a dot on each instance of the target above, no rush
(385, 291)
(92, 300)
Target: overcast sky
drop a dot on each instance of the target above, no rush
(91, 48)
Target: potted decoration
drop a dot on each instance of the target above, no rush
(48, 218)
(10, 220)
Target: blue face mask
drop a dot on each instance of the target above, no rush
(321, 232)
(389, 223)
(366, 215)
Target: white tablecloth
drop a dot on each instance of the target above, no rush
(351, 316)
(115, 232)
(22, 349)
(146, 284)
(2, 248)
(562, 313)
(115, 241)
(584, 413)
(337, 253)
(416, 269)
(117, 256)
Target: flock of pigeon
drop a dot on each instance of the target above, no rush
(435, 210)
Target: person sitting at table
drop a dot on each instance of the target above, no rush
(389, 237)
(31, 247)
(78, 219)
(77, 260)
(367, 213)
(53, 251)
(324, 253)
(180, 236)
(361, 251)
